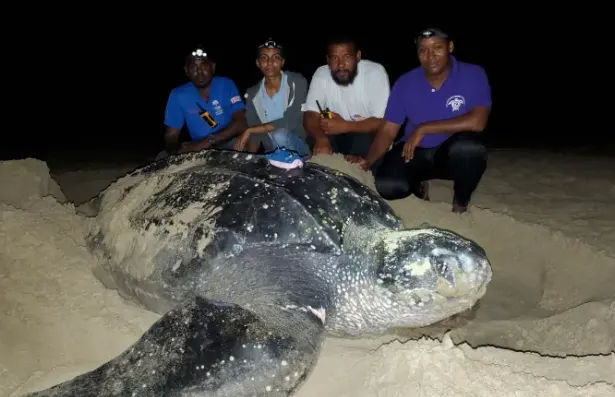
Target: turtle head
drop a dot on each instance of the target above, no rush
(430, 274)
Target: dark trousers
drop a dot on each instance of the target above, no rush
(462, 158)
(351, 143)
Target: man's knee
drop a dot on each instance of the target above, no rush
(468, 147)
(281, 132)
(286, 138)
(390, 187)
(281, 136)
(162, 155)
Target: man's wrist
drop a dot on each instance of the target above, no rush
(204, 143)
(347, 126)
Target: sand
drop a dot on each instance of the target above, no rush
(546, 326)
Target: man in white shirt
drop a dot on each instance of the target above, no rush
(356, 91)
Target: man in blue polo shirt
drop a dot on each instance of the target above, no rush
(209, 105)
(446, 104)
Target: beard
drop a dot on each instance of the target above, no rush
(348, 76)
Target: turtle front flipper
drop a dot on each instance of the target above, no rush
(209, 348)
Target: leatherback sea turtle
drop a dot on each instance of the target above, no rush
(251, 265)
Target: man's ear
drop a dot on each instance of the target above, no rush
(451, 46)
(359, 55)
(213, 67)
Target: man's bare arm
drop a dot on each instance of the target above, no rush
(171, 139)
(261, 128)
(368, 125)
(475, 120)
(311, 123)
(384, 137)
(237, 125)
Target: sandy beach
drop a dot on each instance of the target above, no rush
(546, 326)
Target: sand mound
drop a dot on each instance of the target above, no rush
(27, 180)
(550, 294)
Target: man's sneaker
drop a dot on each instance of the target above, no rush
(284, 158)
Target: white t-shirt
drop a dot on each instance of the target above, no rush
(366, 97)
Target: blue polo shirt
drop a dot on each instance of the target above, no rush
(224, 100)
(414, 99)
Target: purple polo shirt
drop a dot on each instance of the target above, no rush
(412, 97)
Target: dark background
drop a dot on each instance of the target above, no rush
(101, 95)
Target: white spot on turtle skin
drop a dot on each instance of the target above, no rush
(235, 155)
(419, 268)
(265, 206)
(321, 313)
(249, 157)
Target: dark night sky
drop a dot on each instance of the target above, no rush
(107, 94)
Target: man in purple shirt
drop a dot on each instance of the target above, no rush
(446, 104)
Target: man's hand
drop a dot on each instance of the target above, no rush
(242, 141)
(186, 147)
(335, 125)
(322, 146)
(357, 160)
(351, 158)
(413, 141)
(194, 146)
(363, 164)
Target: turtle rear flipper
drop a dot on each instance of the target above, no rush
(212, 348)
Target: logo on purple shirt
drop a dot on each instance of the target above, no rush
(455, 102)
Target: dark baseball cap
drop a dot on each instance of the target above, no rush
(429, 33)
(270, 44)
